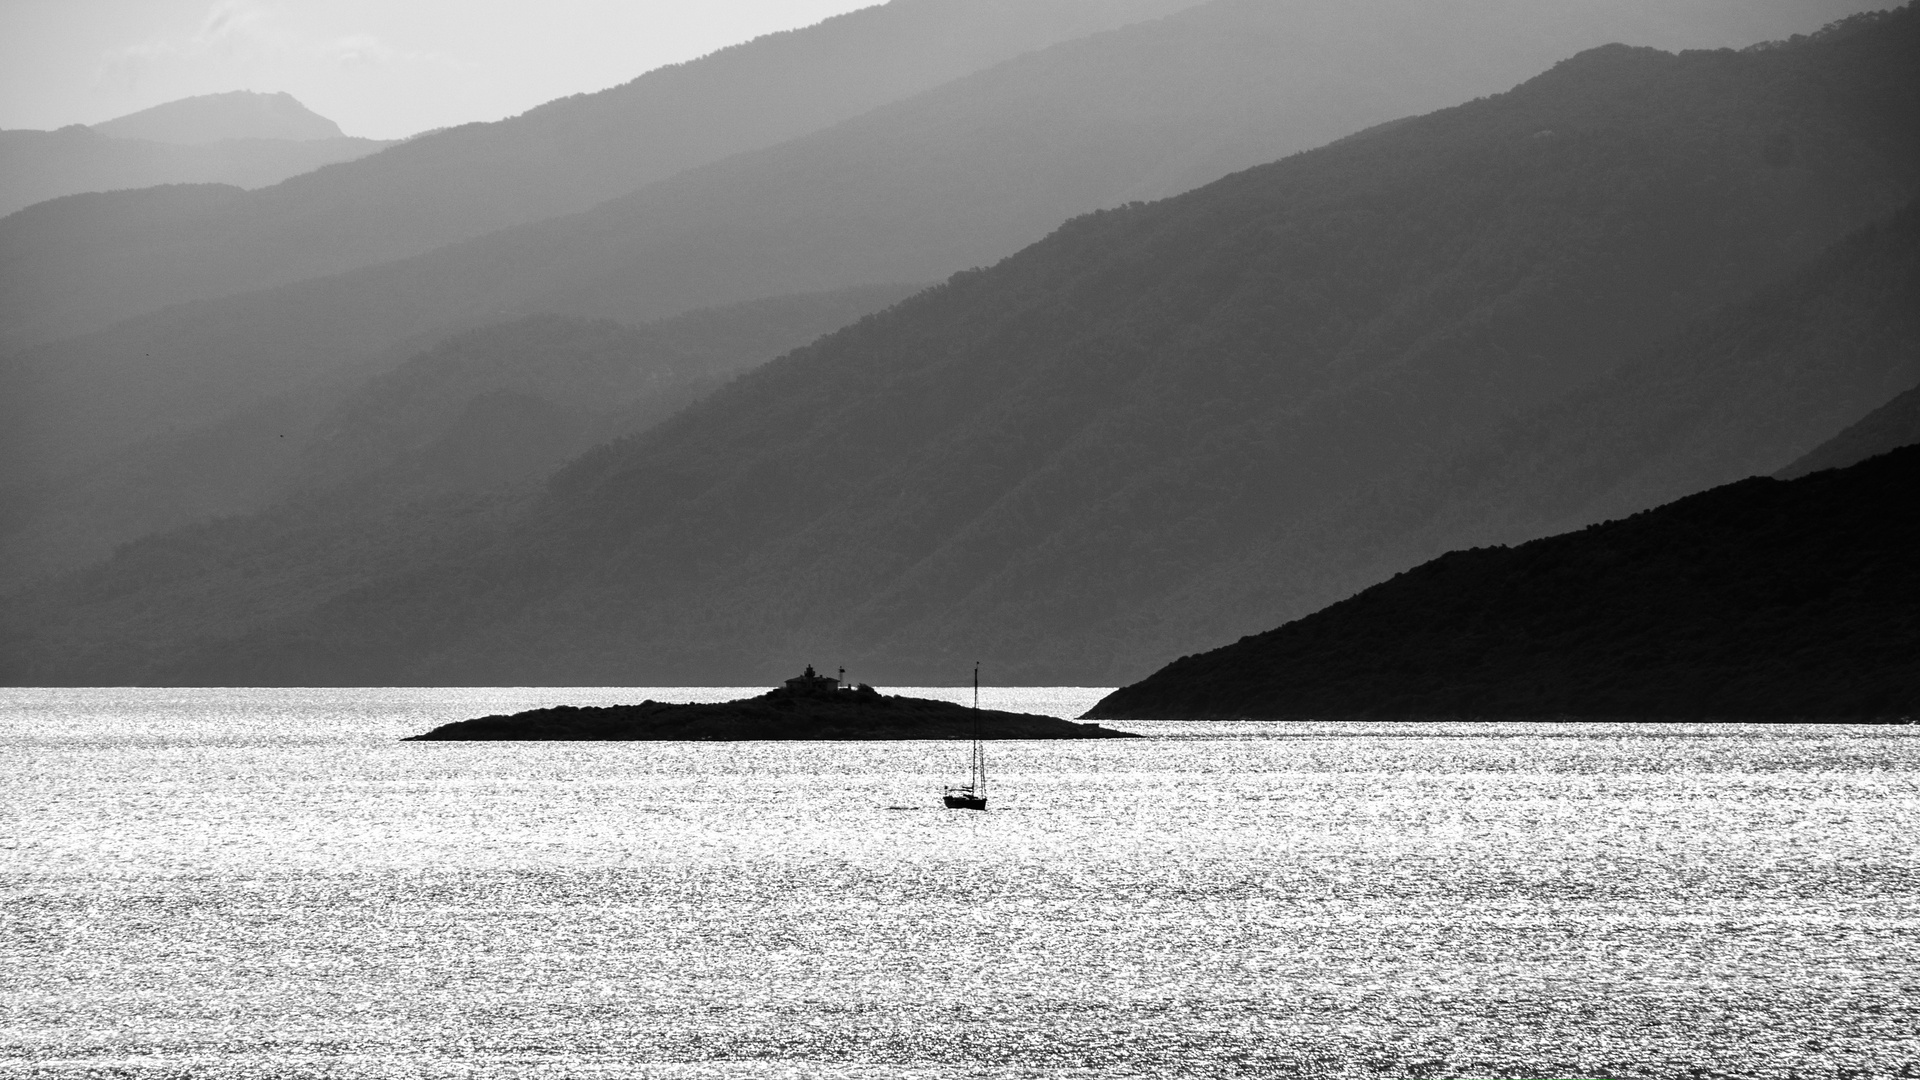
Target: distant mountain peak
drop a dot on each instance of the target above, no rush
(237, 114)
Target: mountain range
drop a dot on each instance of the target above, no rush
(132, 252)
(242, 139)
(37, 166)
(575, 152)
(1165, 423)
(956, 176)
(495, 404)
(1742, 390)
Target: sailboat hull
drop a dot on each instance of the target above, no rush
(965, 802)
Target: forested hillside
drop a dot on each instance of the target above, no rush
(1038, 464)
(417, 466)
(1743, 389)
(494, 406)
(511, 402)
(1761, 600)
(1740, 391)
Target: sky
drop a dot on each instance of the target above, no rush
(378, 68)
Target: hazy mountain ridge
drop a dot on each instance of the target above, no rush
(559, 158)
(959, 175)
(418, 466)
(1888, 428)
(1036, 463)
(568, 383)
(211, 118)
(1764, 599)
(495, 405)
(168, 593)
(36, 166)
(1740, 391)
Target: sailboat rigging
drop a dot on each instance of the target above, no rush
(973, 796)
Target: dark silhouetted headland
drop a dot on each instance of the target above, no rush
(1762, 600)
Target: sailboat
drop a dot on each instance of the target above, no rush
(974, 795)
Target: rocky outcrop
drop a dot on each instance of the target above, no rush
(781, 714)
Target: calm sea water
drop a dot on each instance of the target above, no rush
(252, 883)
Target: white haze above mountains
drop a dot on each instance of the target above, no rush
(894, 145)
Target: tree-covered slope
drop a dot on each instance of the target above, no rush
(1742, 390)
(422, 464)
(1047, 464)
(511, 402)
(559, 158)
(1765, 599)
(496, 406)
(1736, 393)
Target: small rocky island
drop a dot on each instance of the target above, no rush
(808, 707)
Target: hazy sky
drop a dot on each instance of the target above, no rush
(380, 68)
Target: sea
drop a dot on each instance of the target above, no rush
(270, 883)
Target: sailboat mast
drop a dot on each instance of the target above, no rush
(979, 754)
(974, 795)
